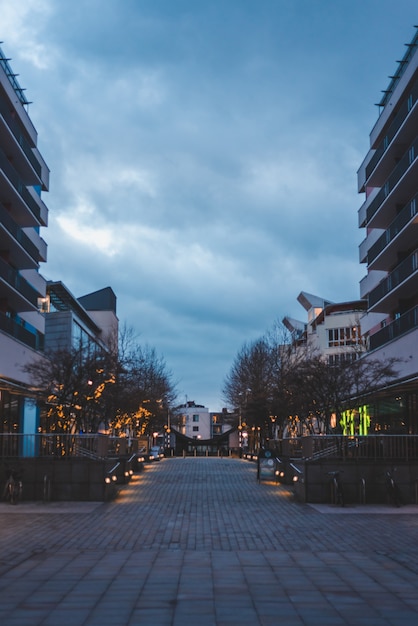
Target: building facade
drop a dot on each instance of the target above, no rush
(195, 421)
(24, 177)
(388, 178)
(71, 322)
(332, 331)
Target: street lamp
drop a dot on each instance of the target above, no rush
(241, 393)
(168, 431)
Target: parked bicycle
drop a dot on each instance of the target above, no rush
(13, 488)
(392, 489)
(337, 491)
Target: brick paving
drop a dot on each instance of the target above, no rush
(198, 541)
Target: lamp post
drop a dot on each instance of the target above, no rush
(168, 431)
(241, 394)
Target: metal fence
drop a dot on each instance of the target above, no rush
(386, 447)
(14, 445)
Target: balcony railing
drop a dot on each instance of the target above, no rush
(30, 337)
(399, 119)
(15, 280)
(19, 185)
(402, 325)
(400, 169)
(18, 234)
(23, 143)
(401, 220)
(403, 271)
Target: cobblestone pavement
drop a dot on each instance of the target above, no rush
(198, 541)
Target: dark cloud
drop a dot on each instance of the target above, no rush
(204, 157)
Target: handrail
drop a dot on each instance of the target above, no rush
(372, 447)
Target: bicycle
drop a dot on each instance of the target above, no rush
(337, 491)
(13, 488)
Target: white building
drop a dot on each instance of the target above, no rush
(388, 178)
(24, 176)
(332, 330)
(195, 421)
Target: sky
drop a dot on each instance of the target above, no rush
(203, 158)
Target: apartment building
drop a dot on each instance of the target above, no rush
(195, 421)
(388, 178)
(24, 177)
(332, 330)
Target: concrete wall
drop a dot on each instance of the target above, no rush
(363, 481)
(79, 479)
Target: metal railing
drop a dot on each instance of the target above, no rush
(20, 284)
(371, 447)
(401, 168)
(404, 270)
(32, 338)
(17, 233)
(406, 322)
(402, 219)
(49, 445)
(398, 120)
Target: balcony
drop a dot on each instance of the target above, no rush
(402, 325)
(24, 255)
(380, 212)
(22, 297)
(405, 237)
(403, 120)
(22, 143)
(27, 335)
(20, 197)
(403, 280)
(372, 236)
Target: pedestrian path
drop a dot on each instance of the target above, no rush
(198, 541)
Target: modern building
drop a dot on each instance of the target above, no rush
(24, 177)
(71, 322)
(332, 330)
(388, 178)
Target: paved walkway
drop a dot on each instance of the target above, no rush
(199, 542)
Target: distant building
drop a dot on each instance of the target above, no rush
(388, 177)
(199, 431)
(195, 421)
(24, 176)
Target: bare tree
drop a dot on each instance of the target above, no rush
(300, 391)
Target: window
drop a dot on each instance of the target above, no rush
(348, 336)
(195, 429)
(195, 418)
(338, 359)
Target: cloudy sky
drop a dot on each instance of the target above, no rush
(203, 157)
